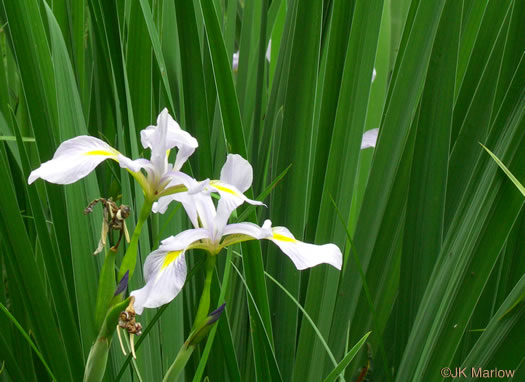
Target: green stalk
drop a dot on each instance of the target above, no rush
(198, 325)
(180, 361)
(106, 287)
(130, 258)
(97, 360)
(204, 302)
(98, 355)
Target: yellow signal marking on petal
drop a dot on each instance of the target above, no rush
(225, 189)
(278, 236)
(100, 152)
(170, 258)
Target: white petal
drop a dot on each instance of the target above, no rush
(248, 229)
(183, 240)
(236, 178)
(198, 206)
(161, 205)
(305, 255)
(163, 137)
(235, 61)
(369, 139)
(133, 165)
(205, 210)
(175, 178)
(165, 270)
(374, 75)
(231, 194)
(165, 274)
(200, 209)
(186, 145)
(238, 172)
(228, 202)
(155, 138)
(73, 160)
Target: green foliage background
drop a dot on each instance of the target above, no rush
(438, 230)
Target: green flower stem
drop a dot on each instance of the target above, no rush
(204, 302)
(130, 258)
(178, 365)
(202, 313)
(98, 355)
(97, 360)
(106, 287)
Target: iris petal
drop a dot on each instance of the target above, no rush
(165, 270)
(305, 255)
(74, 159)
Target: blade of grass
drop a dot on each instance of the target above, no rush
(307, 316)
(428, 179)
(155, 42)
(475, 123)
(195, 107)
(507, 172)
(28, 279)
(479, 230)
(229, 106)
(139, 65)
(82, 236)
(346, 360)
(9, 360)
(54, 269)
(499, 337)
(397, 120)
(335, 55)
(28, 339)
(289, 202)
(270, 356)
(341, 163)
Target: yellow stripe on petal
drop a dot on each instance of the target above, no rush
(170, 258)
(225, 189)
(100, 152)
(278, 236)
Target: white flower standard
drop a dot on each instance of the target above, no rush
(165, 269)
(78, 157)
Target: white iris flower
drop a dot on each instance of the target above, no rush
(77, 157)
(165, 269)
(369, 138)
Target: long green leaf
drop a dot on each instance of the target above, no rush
(346, 360)
(499, 337)
(428, 179)
(511, 176)
(406, 89)
(27, 338)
